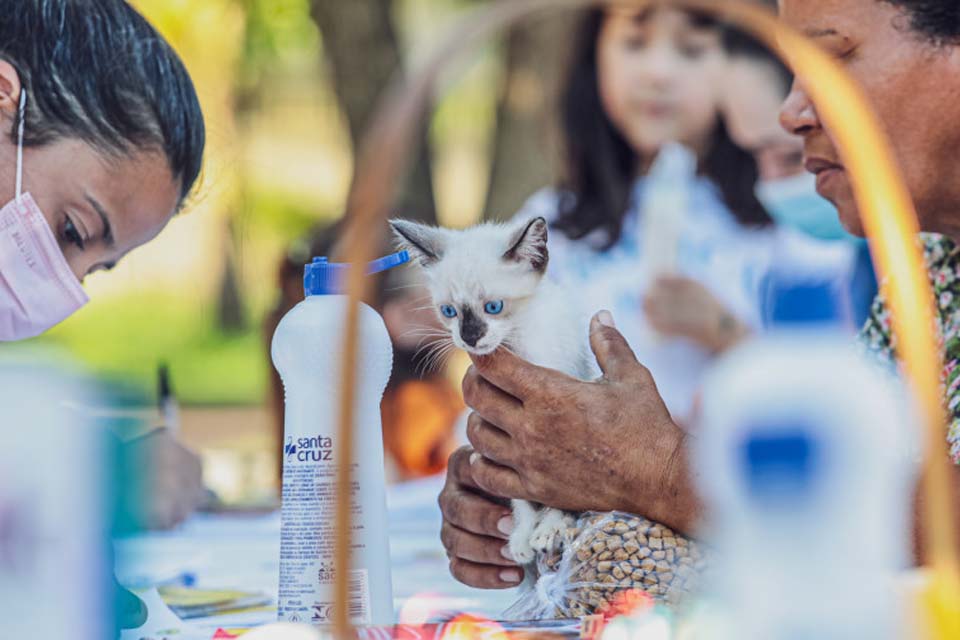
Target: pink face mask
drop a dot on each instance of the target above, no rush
(37, 288)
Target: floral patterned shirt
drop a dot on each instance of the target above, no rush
(942, 257)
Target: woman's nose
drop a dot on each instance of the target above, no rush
(797, 113)
(660, 66)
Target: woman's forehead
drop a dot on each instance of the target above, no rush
(807, 14)
(680, 17)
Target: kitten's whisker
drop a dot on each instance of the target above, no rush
(426, 364)
(443, 359)
(424, 341)
(426, 348)
(400, 287)
(422, 308)
(437, 357)
(423, 364)
(411, 333)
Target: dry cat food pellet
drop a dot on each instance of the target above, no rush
(609, 554)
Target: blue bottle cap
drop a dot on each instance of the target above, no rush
(323, 278)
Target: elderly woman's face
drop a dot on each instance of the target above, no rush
(913, 85)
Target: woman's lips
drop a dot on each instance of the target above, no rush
(826, 172)
(657, 110)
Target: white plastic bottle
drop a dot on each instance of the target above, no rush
(307, 352)
(807, 457)
(666, 199)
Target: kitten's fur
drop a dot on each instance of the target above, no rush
(488, 263)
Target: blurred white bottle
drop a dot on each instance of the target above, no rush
(307, 353)
(663, 208)
(666, 197)
(807, 459)
(56, 475)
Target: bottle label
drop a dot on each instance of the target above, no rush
(307, 536)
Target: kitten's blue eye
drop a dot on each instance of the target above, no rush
(493, 308)
(448, 311)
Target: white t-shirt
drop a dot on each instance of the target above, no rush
(729, 259)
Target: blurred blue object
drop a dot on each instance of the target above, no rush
(792, 299)
(55, 573)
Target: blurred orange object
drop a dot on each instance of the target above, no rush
(419, 417)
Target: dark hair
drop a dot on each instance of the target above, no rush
(937, 20)
(739, 44)
(601, 165)
(97, 71)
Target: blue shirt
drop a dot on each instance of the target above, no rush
(714, 249)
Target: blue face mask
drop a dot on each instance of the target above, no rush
(794, 202)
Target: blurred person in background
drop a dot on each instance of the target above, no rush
(757, 82)
(421, 406)
(906, 57)
(103, 141)
(638, 80)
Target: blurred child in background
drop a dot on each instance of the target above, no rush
(757, 84)
(640, 79)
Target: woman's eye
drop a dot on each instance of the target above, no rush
(635, 43)
(448, 311)
(847, 54)
(72, 234)
(693, 51)
(839, 47)
(102, 267)
(494, 307)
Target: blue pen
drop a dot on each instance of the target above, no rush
(184, 579)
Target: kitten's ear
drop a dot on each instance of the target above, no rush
(529, 244)
(424, 243)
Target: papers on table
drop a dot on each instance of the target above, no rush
(162, 623)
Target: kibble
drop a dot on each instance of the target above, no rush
(616, 552)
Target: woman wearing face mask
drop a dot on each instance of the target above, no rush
(813, 245)
(102, 140)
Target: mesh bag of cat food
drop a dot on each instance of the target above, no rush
(607, 560)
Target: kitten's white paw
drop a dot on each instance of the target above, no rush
(551, 531)
(521, 550)
(525, 518)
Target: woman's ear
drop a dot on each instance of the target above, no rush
(10, 88)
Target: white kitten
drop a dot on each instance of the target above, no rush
(489, 289)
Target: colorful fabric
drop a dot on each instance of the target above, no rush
(942, 257)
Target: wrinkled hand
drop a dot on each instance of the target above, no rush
(678, 306)
(475, 529)
(165, 483)
(579, 446)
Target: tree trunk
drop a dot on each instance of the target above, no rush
(231, 318)
(525, 155)
(361, 44)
